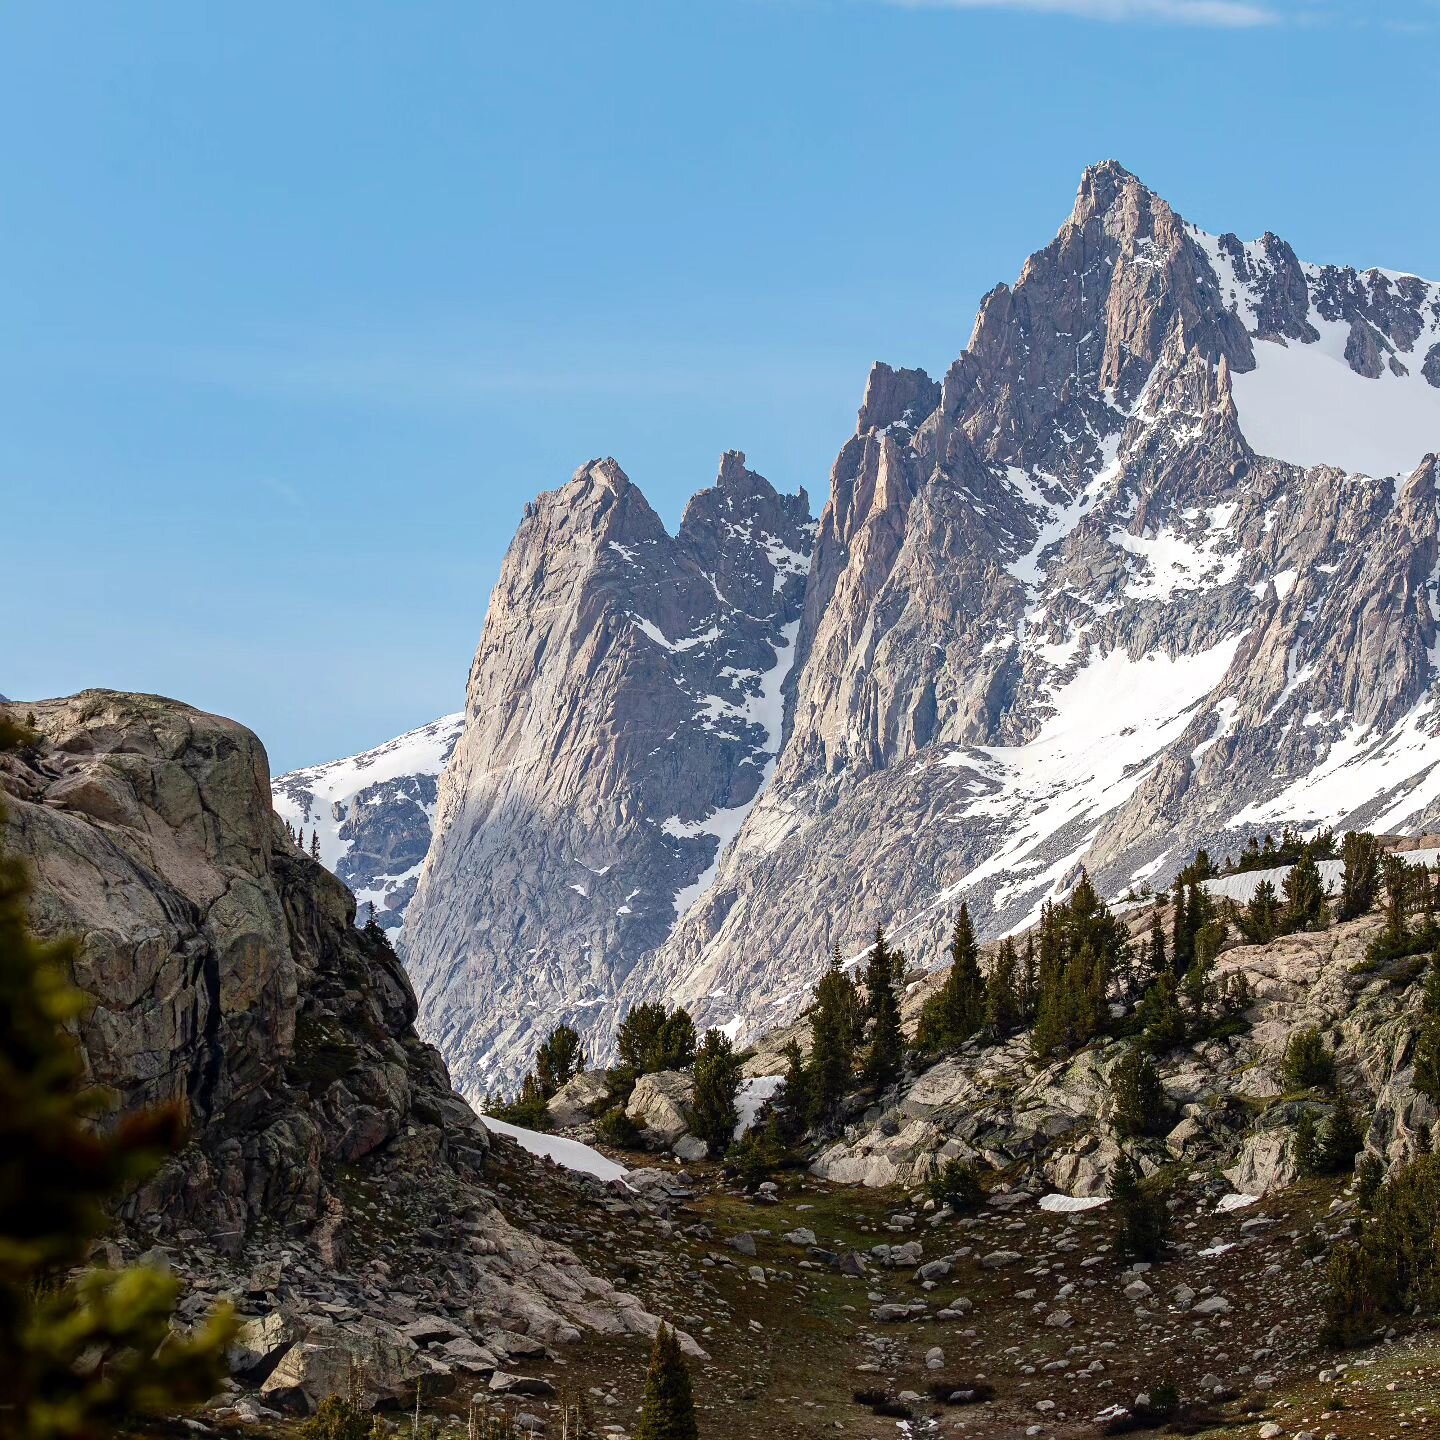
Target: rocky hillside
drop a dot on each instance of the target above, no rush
(623, 713)
(333, 1181)
(373, 813)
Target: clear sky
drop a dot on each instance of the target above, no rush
(299, 303)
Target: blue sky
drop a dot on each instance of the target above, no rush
(300, 303)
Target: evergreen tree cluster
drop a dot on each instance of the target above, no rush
(1081, 947)
(1291, 846)
(1392, 1267)
(559, 1059)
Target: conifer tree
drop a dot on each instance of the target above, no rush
(1158, 965)
(1181, 942)
(1306, 1145)
(314, 844)
(78, 1356)
(1162, 1022)
(717, 1083)
(1029, 983)
(558, 1060)
(1262, 915)
(1142, 1221)
(886, 1045)
(668, 1410)
(1360, 883)
(1427, 1044)
(1304, 891)
(834, 1036)
(1340, 1139)
(1138, 1105)
(957, 1010)
(1002, 991)
(794, 1098)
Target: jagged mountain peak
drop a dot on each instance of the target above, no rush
(1117, 586)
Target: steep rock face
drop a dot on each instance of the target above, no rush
(623, 713)
(1103, 603)
(228, 977)
(373, 814)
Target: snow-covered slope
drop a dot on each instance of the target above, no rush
(373, 813)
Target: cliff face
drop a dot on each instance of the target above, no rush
(372, 814)
(326, 1143)
(623, 713)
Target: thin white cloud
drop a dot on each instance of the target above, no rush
(1227, 14)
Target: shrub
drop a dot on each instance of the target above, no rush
(957, 1184)
(616, 1128)
(341, 1418)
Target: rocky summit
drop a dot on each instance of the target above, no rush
(1153, 566)
(624, 712)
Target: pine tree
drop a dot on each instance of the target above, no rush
(1162, 1021)
(1156, 957)
(794, 1098)
(314, 844)
(1142, 1221)
(1427, 1044)
(1029, 983)
(1305, 907)
(717, 1083)
(834, 1036)
(1262, 915)
(1002, 993)
(78, 1356)
(668, 1410)
(558, 1060)
(957, 1010)
(1340, 1139)
(1306, 1145)
(1360, 883)
(1308, 1064)
(1181, 942)
(1138, 1104)
(882, 1007)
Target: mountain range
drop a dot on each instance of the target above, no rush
(1153, 566)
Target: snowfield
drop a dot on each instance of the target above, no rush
(569, 1153)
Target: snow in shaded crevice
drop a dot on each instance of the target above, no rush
(765, 709)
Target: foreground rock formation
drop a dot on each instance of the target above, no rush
(333, 1180)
